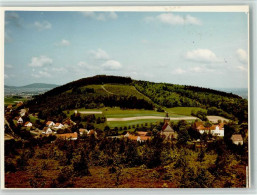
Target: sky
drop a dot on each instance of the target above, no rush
(193, 48)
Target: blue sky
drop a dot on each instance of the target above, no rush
(201, 49)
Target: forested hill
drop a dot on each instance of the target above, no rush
(102, 90)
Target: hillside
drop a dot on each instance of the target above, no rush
(110, 91)
(34, 85)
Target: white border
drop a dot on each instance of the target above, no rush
(223, 8)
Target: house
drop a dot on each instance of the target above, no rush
(68, 136)
(19, 104)
(217, 130)
(140, 138)
(50, 123)
(237, 139)
(28, 124)
(9, 106)
(83, 131)
(20, 120)
(58, 126)
(23, 112)
(47, 130)
(92, 132)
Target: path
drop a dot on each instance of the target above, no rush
(150, 117)
(107, 90)
(90, 112)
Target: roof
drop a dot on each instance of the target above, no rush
(91, 132)
(237, 137)
(27, 123)
(142, 133)
(82, 130)
(49, 122)
(134, 137)
(57, 124)
(166, 127)
(46, 128)
(68, 135)
(197, 124)
(201, 127)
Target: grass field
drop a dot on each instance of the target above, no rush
(11, 100)
(186, 111)
(123, 113)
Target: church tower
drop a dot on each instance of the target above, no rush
(167, 119)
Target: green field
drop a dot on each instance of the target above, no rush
(123, 113)
(185, 111)
(12, 100)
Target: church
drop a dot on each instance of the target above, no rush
(167, 130)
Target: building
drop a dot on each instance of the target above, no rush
(83, 131)
(167, 130)
(68, 136)
(58, 126)
(28, 124)
(23, 112)
(20, 120)
(50, 123)
(215, 130)
(237, 139)
(47, 130)
(138, 138)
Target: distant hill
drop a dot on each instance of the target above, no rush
(34, 85)
(110, 91)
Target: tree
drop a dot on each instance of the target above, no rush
(80, 167)
(183, 136)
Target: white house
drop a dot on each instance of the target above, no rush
(28, 124)
(47, 130)
(217, 130)
(58, 126)
(20, 120)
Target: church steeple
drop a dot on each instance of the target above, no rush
(166, 118)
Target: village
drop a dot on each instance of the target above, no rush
(65, 129)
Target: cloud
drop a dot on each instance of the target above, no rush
(63, 43)
(41, 74)
(8, 66)
(100, 54)
(63, 70)
(242, 56)
(178, 71)
(44, 25)
(111, 65)
(173, 19)
(199, 69)
(6, 76)
(202, 55)
(40, 61)
(100, 16)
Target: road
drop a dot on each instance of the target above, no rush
(150, 117)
